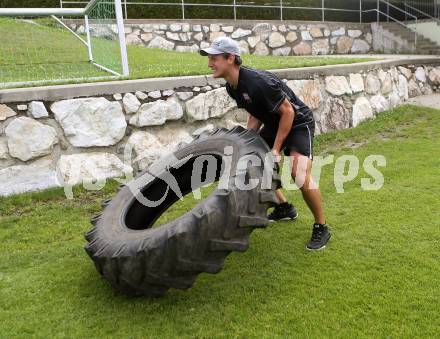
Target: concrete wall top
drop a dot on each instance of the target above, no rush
(59, 92)
(244, 22)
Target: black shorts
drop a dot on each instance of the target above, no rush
(299, 139)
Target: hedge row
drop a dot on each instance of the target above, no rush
(205, 12)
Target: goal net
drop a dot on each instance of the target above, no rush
(41, 46)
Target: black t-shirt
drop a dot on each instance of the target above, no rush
(261, 93)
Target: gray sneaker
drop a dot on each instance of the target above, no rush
(320, 236)
(283, 211)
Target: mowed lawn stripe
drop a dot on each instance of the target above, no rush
(378, 277)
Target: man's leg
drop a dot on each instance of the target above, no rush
(284, 210)
(281, 197)
(302, 174)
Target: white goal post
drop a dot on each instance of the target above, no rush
(33, 39)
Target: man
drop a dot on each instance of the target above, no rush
(287, 124)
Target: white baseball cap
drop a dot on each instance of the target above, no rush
(222, 45)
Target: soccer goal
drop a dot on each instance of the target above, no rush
(40, 46)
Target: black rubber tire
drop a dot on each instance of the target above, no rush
(140, 260)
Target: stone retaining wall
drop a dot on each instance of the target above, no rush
(47, 143)
(261, 38)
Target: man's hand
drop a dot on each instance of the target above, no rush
(276, 155)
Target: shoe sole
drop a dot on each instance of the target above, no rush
(321, 248)
(284, 219)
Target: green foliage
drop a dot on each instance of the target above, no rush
(377, 278)
(206, 12)
(30, 3)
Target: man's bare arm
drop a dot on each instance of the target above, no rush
(287, 115)
(253, 123)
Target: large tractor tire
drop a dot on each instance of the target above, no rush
(139, 259)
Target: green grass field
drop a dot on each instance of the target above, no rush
(379, 276)
(41, 53)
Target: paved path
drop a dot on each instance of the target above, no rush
(430, 100)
